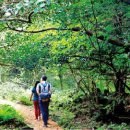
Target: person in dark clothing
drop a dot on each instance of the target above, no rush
(44, 105)
(34, 96)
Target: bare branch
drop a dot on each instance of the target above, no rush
(43, 30)
(3, 64)
(19, 20)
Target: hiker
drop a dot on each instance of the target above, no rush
(35, 101)
(44, 91)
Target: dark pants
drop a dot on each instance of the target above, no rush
(44, 110)
(36, 109)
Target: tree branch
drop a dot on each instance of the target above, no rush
(43, 30)
(2, 64)
(76, 29)
(5, 46)
(20, 20)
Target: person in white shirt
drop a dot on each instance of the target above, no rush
(44, 105)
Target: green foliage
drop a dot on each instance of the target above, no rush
(11, 91)
(29, 56)
(97, 51)
(72, 111)
(25, 100)
(73, 49)
(57, 113)
(9, 114)
(122, 126)
(15, 93)
(65, 107)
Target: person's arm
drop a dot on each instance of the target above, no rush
(31, 96)
(37, 89)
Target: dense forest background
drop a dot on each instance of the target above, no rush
(83, 46)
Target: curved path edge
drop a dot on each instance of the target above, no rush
(28, 114)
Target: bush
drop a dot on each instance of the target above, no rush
(62, 102)
(11, 91)
(24, 100)
(122, 126)
(8, 115)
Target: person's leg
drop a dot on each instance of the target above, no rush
(46, 114)
(35, 109)
(39, 113)
(47, 104)
(38, 110)
(43, 108)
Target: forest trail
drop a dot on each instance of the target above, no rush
(28, 114)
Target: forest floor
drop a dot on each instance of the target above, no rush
(28, 113)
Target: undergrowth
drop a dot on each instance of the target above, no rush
(71, 109)
(25, 100)
(14, 92)
(10, 118)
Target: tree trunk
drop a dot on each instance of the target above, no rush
(120, 88)
(119, 83)
(61, 81)
(60, 77)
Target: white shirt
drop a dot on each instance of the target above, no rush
(42, 87)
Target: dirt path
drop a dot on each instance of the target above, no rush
(28, 114)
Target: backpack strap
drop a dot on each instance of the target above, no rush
(47, 84)
(48, 87)
(44, 87)
(39, 89)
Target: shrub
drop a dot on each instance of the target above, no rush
(8, 115)
(24, 100)
(14, 91)
(122, 126)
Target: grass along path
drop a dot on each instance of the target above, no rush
(28, 114)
